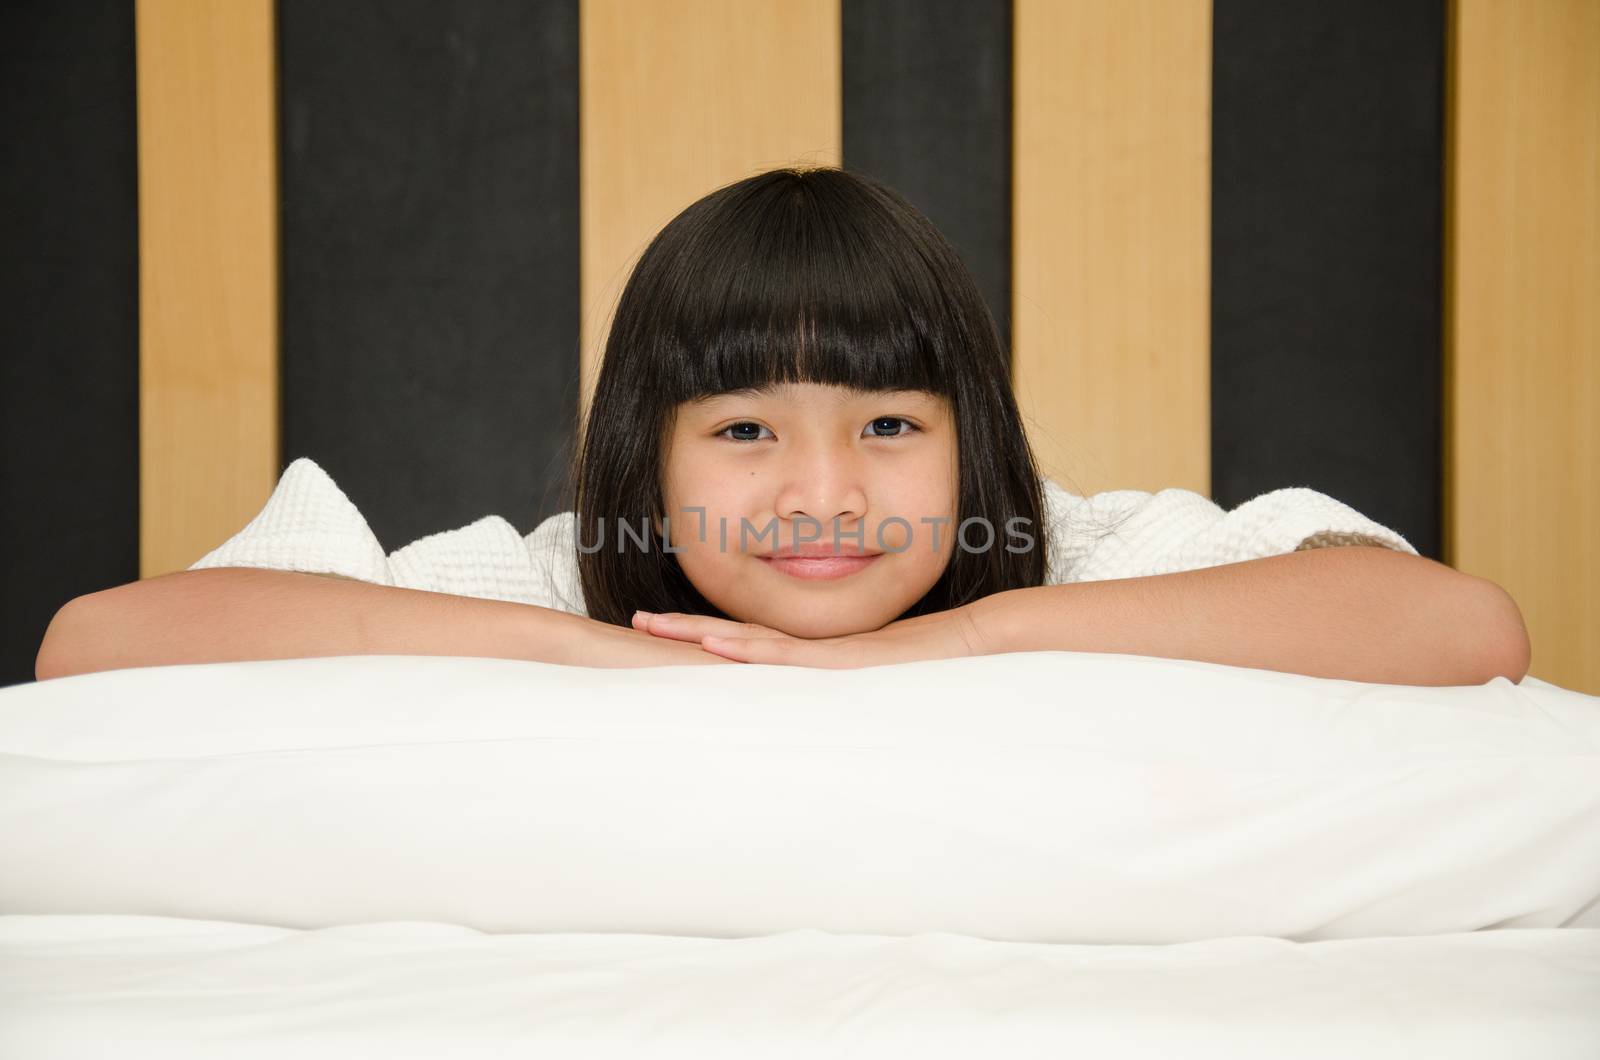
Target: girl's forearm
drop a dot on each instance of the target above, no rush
(228, 614)
(1354, 613)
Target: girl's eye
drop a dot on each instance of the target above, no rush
(907, 426)
(742, 427)
(741, 432)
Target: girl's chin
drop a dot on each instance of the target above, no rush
(814, 619)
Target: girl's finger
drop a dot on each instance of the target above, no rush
(788, 651)
(735, 648)
(679, 627)
(834, 653)
(693, 627)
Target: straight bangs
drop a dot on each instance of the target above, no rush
(799, 282)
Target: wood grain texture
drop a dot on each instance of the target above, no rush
(208, 312)
(1522, 444)
(1111, 256)
(680, 98)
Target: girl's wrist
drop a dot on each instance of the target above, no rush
(990, 622)
(544, 634)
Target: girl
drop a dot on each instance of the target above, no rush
(800, 363)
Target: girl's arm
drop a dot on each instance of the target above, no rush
(233, 613)
(1358, 613)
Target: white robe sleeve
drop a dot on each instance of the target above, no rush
(489, 559)
(1133, 534)
(308, 524)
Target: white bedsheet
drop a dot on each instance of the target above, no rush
(81, 987)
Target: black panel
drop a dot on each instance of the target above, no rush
(927, 110)
(429, 162)
(1327, 228)
(69, 341)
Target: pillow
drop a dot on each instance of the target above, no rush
(1036, 796)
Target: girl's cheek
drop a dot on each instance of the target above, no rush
(893, 537)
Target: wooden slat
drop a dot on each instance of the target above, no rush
(1112, 154)
(679, 98)
(1522, 492)
(208, 328)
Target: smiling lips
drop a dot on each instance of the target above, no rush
(820, 561)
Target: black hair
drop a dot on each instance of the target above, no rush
(806, 275)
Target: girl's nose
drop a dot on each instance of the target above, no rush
(824, 487)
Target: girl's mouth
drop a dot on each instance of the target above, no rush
(814, 568)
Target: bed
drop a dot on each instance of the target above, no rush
(429, 856)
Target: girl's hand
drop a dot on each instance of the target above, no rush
(942, 635)
(600, 644)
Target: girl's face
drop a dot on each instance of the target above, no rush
(874, 472)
